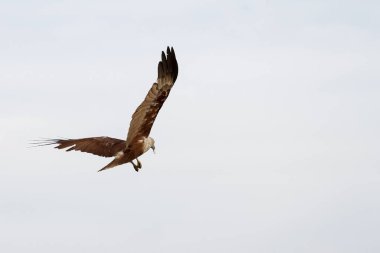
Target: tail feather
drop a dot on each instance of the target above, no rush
(115, 162)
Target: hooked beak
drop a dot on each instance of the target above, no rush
(153, 148)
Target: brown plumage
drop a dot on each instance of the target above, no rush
(138, 140)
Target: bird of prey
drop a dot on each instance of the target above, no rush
(138, 140)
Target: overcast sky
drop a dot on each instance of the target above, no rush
(269, 141)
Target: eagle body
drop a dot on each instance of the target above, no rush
(138, 140)
(131, 153)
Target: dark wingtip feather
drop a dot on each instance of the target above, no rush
(160, 70)
(174, 63)
(163, 56)
(164, 62)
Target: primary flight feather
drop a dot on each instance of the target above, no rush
(138, 141)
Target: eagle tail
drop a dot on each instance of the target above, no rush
(114, 163)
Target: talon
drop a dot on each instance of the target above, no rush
(139, 163)
(136, 167)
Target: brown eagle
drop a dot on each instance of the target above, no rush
(138, 141)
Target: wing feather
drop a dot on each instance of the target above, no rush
(101, 146)
(146, 113)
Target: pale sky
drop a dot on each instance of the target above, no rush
(269, 141)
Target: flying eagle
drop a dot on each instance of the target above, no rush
(138, 140)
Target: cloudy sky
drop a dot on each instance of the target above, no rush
(269, 141)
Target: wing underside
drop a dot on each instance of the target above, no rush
(146, 113)
(101, 146)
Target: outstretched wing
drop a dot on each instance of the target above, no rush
(101, 146)
(145, 115)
